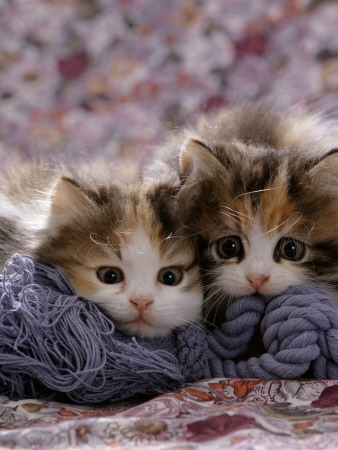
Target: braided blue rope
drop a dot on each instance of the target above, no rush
(300, 334)
(53, 342)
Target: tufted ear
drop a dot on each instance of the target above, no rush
(324, 172)
(67, 198)
(200, 170)
(198, 164)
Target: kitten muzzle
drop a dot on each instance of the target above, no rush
(257, 281)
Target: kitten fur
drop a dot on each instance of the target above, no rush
(263, 185)
(85, 224)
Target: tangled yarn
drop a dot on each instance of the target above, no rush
(53, 343)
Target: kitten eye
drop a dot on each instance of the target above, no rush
(170, 276)
(230, 247)
(110, 275)
(290, 249)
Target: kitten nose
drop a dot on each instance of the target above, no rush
(257, 281)
(141, 303)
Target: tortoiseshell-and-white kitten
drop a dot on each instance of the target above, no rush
(265, 192)
(121, 243)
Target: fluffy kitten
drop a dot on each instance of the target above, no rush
(265, 192)
(121, 243)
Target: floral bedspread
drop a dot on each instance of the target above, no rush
(210, 414)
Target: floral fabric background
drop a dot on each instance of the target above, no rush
(81, 78)
(88, 77)
(213, 414)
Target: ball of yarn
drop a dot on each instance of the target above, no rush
(52, 342)
(299, 330)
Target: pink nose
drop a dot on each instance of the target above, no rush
(141, 303)
(257, 281)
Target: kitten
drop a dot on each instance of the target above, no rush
(265, 192)
(120, 243)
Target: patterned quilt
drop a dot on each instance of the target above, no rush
(211, 414)
(81, 78)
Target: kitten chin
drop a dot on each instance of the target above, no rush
(122, 244)
(262, 191)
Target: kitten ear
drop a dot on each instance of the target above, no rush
(324, 171)
(198, 163)
(199, 166)
(67, 197)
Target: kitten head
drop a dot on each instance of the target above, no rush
(267, 218)
(124, 248)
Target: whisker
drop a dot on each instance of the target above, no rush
(197, 324)
(78, 249)
(294, 223)
(211, 285)
(217, 301)
(91, 236)
(231, 216)
(275, 228)
(236, 212)
(258, 190)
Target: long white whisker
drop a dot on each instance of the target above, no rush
(198, 324)
(231, 216)
(276, 227)
(236, 212)
(215, 308)
(217, 302)
(258, 190)
(91, 236)
(78, 249)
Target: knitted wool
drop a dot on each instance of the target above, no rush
(52, 342)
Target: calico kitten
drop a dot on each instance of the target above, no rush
(120, 243)
(265, 191)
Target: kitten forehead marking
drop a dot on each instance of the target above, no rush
(259, 250)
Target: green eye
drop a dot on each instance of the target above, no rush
(170, 276)
(230, 247)
(290, 249)
(110, 275)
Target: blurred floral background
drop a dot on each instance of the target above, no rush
(107, 77)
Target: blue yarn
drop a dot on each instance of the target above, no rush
(300, 334)
(51, 341)
(54, 343)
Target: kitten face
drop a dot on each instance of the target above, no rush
(254, 260)
(267, 219)
(125, 251)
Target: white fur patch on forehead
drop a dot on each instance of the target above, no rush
(140, 258)
(144, 253)
(139, 246)
(260, 244)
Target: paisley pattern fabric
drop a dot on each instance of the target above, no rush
(212, 414)
(81, 78)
